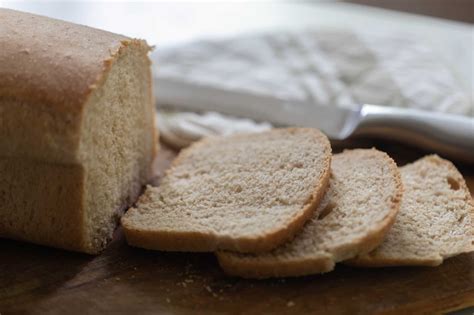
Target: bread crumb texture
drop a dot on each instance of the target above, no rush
(435, 219)
(246, 192)
(360, 205)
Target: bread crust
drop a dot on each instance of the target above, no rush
(205, 242)
(30, 219)
(57, 78)
(60, 78)
(299, 267)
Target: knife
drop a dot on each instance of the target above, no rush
(447, 134)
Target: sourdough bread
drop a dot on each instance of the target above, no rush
(355, 214)
(435, 219)
(77, 126)
(246, 193)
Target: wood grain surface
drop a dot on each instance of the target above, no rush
(126, 280)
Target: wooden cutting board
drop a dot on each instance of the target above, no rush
(126, 280)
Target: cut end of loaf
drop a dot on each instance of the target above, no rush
(118, 143)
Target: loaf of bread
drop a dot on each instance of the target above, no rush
(246, 193)
(354, 216)
(435, 221)
(77, 130)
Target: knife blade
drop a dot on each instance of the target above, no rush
(446, 134)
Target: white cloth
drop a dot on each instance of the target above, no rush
(326, 67)
(180, 129)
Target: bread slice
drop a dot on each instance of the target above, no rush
(77, 136)
(435, 219)
(246, 193)
(356, 212)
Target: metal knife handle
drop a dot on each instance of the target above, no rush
(446, 134)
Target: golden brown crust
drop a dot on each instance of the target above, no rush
(62, 77)
(272, 268)
(59, 65)
(264, 270)
(35, 218)
(204, 242)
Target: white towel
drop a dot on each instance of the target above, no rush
(326, 67)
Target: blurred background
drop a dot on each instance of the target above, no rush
(167, 23)
(415, 54)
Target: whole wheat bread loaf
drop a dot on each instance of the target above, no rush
(355, 214)
(246, 193)
(77, 135)
(435, 219)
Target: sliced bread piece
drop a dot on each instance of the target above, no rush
(356, 212)
(246, 193)
(435, 219)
